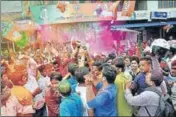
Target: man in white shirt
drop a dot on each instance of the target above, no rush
(81, 87)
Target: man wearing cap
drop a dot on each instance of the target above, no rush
(71, 104)
(147, 100)
(104, 103)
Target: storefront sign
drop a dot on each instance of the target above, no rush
(140, 15)
(81, 12)
(136, 15)
(172, 14)
(159, 15)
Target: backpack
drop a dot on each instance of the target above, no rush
(165, 108)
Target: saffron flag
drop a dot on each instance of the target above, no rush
(114, 9)
(61, 6)
(128, 7)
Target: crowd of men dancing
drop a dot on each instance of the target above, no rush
(77, 84)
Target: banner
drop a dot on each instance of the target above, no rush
(128, 7)
(11, 31)
(67, 13)
(24, 41)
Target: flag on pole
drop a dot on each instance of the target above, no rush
(114, 10)
(128, 7)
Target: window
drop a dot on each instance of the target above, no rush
(141, 5)
(166, 4)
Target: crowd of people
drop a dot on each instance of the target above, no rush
(77, 84)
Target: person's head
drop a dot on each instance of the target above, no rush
(124, 54)
(80, 73)
(157, 77)
(109, 61)
(64, 88)
(134, 62)
(112, 56)
(172, 50)
(145, 64)
(160, 47)
(49, 69)
(109, 73)
(82, 60)
(58, 60)
(56, 77)
(127, 61)
(97, 58)
(42, 70)
(55, 65)
(96, 68)
(173, 68)
(19, 76)
(72, 68)
(147, 51)
(120, 65)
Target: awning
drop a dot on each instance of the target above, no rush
(115, 27)
(127, 30)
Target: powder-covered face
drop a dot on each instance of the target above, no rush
(54, 84)
(48, 71)
(95, 71)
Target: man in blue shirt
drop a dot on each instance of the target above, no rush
(104, 103)
(71, 104)
(139, 84)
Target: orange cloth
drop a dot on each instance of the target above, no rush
(23, 95)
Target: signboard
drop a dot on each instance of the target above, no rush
(140, 15)
(11, 7)
(80, 12)
(137, 15)
(12, 31)
(159, 15)
(172, 14)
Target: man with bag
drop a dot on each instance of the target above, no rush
(152, 102)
